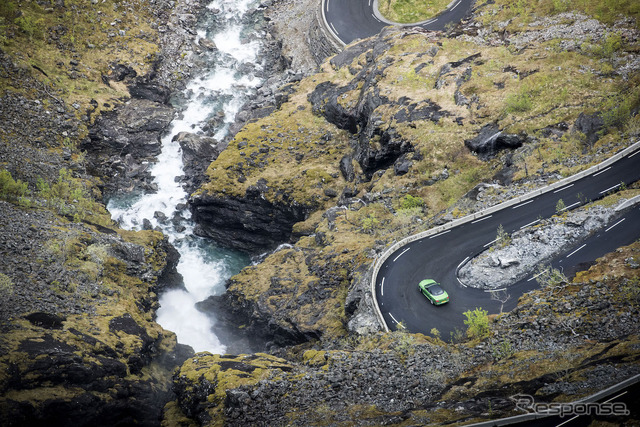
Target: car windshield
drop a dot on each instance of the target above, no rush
(436, 290)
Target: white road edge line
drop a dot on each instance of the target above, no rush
(376, 18)
(402, 253)
(522, 204)
(394, 319)
(463, 261)
(531, 223)
(481, 219)
(568, 421)
(382, 286)
(614, 225)
(609, 189)
(615, 397)
(327, 5)
(539, 274)
(495, 290)
(576, 250)
(334, 29)
(440, 234)
(631, 155)
(456, 5)
(602, 171)
(570, 206)
(563, 188)
(491, 242)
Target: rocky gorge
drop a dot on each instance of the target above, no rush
(322, 170)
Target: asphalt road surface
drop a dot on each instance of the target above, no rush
(355, 19)
(439, 256)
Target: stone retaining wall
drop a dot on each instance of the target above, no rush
(321, 40)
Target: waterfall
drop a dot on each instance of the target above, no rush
(222, 89)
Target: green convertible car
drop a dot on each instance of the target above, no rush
(433, 291)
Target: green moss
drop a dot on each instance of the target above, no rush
(226, 373)
(46, 37)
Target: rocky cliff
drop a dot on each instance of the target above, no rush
(397, 133)
(79, 342)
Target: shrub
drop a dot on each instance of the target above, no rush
(518, 103)
(548, 276)
(477, 322)
(30, 26)
(11, 190)
(503, 351)
(410, 202)
(370, 223)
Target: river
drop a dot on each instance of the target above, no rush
(220, 91)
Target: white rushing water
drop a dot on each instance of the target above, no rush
(204, 267)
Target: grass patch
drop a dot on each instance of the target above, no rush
(71, 44)
(410, 11)
(607, 11)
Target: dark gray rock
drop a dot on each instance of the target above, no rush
(346, 168)
(251, 223)
(122, 142)
(491, 140)
(591, 125)
(402, 166)
(197, 154)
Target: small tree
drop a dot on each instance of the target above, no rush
(502, 296)
(477, 322)
(502, 237)
(550, 277)
(560, 206)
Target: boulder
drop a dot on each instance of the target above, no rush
(590, 125)
(197, 154)
(491, 140)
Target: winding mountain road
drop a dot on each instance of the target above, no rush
(350, 20)
(439, 256)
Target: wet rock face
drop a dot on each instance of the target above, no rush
(260, 331)
(250, 223)
(197, 154)
(124, 141)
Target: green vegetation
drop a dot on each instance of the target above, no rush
(503, 238)
(409, 11)
(411, 202)
(548, 276)
(68, 196)
(504, 350)
(6, 285)
(370, 224)
(477, 322)
(518, 102)
(607, 11)
(10, 189)
(48, 35)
